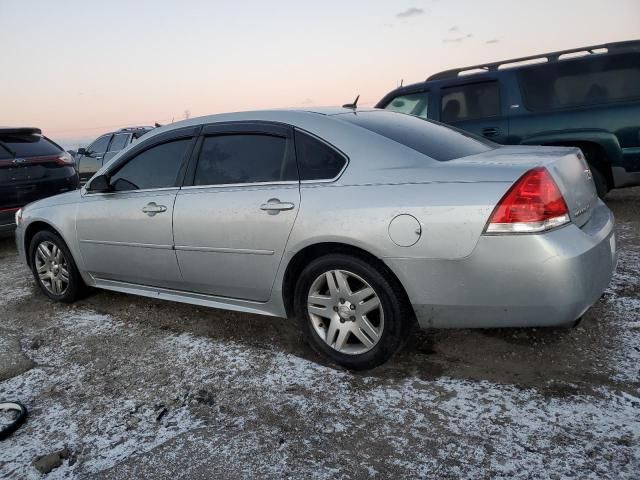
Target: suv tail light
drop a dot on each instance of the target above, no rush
(64, 159)
(533, 204)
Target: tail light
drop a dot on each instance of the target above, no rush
(533, 204)
(64, 159)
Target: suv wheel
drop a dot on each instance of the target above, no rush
(350, 311)
(53, 267)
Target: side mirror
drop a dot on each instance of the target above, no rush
(82, 151)
(100, 184)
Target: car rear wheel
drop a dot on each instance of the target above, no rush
(53, 267)
(351, 311)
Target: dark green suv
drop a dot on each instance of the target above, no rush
(587, 97)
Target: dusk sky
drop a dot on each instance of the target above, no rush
(80, 68)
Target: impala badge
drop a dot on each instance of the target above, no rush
(588, 174)
(18, 161)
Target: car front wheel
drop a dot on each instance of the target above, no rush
(53, 267)
(351, 311)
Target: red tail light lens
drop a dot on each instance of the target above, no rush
(64, 159)
(533, 204)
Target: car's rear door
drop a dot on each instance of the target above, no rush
(233, 217)
(477, 107)
(126, 235)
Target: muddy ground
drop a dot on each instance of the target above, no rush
(126, 387)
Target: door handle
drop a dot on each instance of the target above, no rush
(152, 208)
(275, 206)
(490, 132)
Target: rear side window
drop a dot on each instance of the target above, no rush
(429, 138)
(244, 158)
(100, 145)
(156, 167)
(466, 102)
(587, 81)
(316, 160)
(26, 145)
(413, 104)
(119, 142)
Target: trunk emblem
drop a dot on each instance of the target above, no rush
(588, 174)
(18, 161)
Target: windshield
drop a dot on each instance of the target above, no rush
(430, 138)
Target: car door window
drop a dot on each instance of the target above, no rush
(100, 145)
(244, 158)
(119, 141)
(413, 104)
(317, 160)
(157, 167)
(467, 102)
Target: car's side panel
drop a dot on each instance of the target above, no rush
(226, 244)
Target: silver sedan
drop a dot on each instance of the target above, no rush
(359, 223)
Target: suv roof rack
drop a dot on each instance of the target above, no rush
(21, 130)
(129, 129)
(542, 58)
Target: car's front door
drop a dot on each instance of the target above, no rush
(91, 161)
(475, 107)
(126, 234)
(118, 142)
(233, 218)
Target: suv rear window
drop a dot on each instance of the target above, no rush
(26, 145)
(432, 139)
(585, 81)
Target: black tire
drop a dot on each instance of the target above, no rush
(75, 286)
(398, 315)
(602, 186)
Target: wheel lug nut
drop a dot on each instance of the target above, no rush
(335, 309)
(353, 307)
(342, 320)
(342, 300)
(353, 319)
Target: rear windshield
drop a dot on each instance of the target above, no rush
(432, 139)
(587, 81)
(26, 145)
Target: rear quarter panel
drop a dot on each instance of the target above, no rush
(452, 216)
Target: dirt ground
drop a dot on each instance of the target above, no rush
(125, 387)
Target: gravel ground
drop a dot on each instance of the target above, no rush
(126, 387)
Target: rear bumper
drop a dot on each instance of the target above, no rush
(540, 280)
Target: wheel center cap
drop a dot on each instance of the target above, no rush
(344, 310)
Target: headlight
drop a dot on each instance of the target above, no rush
(19, 217)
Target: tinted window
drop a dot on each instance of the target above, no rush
(26, 145)
(465, 102)
(100, 145)
(413, 104)
(429, 138)
(156, 167)
(244, 158)
(119, 142)
(581, 82)
(316, 160)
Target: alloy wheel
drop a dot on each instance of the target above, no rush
(52, 268)
(345, 312)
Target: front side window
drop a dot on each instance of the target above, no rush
(316, 160)
(413, 104)
(119, 141)
(157, 167)
(585, 81)
(244, 158)
(100, 145)
(467, 102)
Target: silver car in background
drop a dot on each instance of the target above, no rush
(356, 222)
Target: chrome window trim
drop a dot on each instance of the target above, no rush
(234, 185)
(121, 192)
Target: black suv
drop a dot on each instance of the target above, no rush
(31, 167)
(90, 159)
(587, 97)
